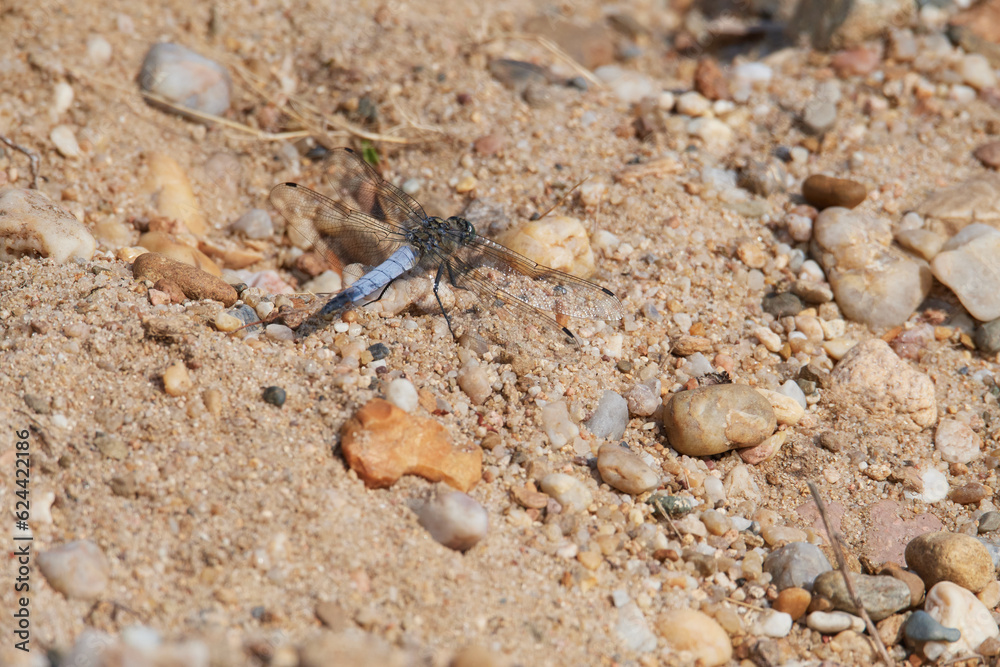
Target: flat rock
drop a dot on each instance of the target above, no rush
(193, 282)
(33, 225)
(873, 282)
(880, 596)
(969, 265)
(717, 418)
(824, 191)
(871, 377)
(891, 528)
(955, 557)
(381, 443)
(163, 244)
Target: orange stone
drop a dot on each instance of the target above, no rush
(381, 443)
(793, 601)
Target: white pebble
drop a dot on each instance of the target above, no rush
(832, 622)
(772, 624)
(962, 94)
(65, 141)
(977, 72)
(935, 487)
(454, 519)
(77, 570)
(693, 103)
(225, 322)
(567, 490)
(63, 98)
(98, 50)
(799, 227)
(279, 332)
(402, 394)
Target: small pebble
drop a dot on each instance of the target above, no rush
(225, 322)
(110, 445)
(793, 601)
(643, 398)
(988, 154)
(403, 394)
(832, 622)
(784, 304)
(77, 569)
(186, 78)
(98, 50)
(176, 380)
(65, 141)
(274, 395)
(881, 596)
(568, 491)
(989, 522)
(623, 470)
(819, 116)
(696, 633)
(969, 494)
(826, 191)
(254, 224)
(610, 419)
(693, 104)
(921, 627)
(956, 442)
(716, 418)
(473, 380)
(796, 564)
(194, 282)
(772, 623)
(454, 519)
(987, 337)
(977, 71)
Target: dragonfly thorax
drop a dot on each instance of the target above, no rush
(441, 233)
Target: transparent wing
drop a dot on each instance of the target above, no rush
(487, 266)
(362, 188)
(341, 233)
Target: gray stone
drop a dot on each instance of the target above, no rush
(185, 78)
(880, 596)
(989, 522)
(623, 470)
(987, 337)
(610, 418)
(781, 305)
(921, 627)
(796, 564)
(255, 224)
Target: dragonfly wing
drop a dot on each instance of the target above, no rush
(341, 233)
(485, 262)
(364, 189)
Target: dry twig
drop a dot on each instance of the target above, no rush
(32, 157)
(835, 543)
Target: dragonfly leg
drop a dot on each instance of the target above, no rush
(437, 281)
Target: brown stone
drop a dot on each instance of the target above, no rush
(687, 345)
(170, 288)
(793, 601)
(194, 282)
(912, 581)
(955, 557)
(529, 497)
(969, 494)
(710, 81)
(988, 154)
(381, 443)
(824, 191)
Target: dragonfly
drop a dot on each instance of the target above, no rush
(516, 302)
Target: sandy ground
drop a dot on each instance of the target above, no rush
(241, 524)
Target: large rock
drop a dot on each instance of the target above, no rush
(717, 418)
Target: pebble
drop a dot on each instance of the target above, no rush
(764, 178)
(954, 607)
(194, 282)
(185, 78)
(560, 242)
(969, 265)
(969, 493)
(714, 489)
(350, 647)
(956, 441)
(873, 282)
(819, 116)
(796, 565)
(403, 394)
(780, 535)
(610, 419)
(765, 451)
(454, 519)
(955, 557)
(176, 380)
(627, 85)
(473, 380)
(644, 397)
(254, 224)
(98, 50)
(912, 581)
(110, 445)
(162, 244)
(772, 623)
(977, 72)
(744, 77)
(274, 395)
(783, 304)
(794, 601)
(381, 443)
(558, 426)
(924, 242)
(474, 655)
(854, 62)
(717, 418)
(279, 332)
(740, 484)
(226, 323)
(988, 154)
(990, 595)
(832, 622)
(76, 569)
(987, 337)
(881, 596)
(922, 627)
(625, 471)
(787, 410)
(826, 191)
(872, 376)
(632, 628)
(32, 224)
(171, 194)
(715, 133)
(568, 491)
(696, 634)
(693, 103)
(935, 487)
(989, 522)
(976, 199)
(64, 139)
